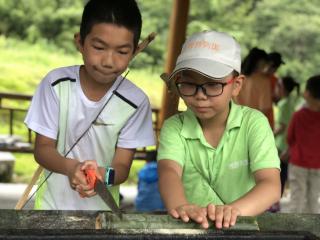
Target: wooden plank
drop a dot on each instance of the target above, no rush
(15, 96)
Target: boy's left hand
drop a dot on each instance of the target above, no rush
(224, 215)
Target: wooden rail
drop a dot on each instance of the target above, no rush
(5, 98)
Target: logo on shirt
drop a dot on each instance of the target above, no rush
(237, 164)
(96, 123)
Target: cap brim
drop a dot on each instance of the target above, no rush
(205, 67)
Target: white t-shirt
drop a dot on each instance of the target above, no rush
(43, 118)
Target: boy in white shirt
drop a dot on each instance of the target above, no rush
(91, 112)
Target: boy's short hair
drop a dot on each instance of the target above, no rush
(289, 83)
(275, 59)
(313, 86)
(120, 12)
(251, 62)
(210, 53)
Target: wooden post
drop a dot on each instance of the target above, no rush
(177, 35)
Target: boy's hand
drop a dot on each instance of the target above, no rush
(191, 211)
(75, 175)
(223, 215)
(87, 189)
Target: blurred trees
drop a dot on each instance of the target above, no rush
(41, 20)
(289, 27)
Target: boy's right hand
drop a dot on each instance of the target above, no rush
(191, 211)
(88, 189)
(75, 174)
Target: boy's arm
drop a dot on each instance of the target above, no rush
(172, 194)
(47, 156)
(170, 184)
(266, 192)
(121, 163)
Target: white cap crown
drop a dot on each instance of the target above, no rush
(211, 53)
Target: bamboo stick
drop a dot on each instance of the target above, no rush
(22, 201)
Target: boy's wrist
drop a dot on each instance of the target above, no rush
(70, 166)
(109, 176)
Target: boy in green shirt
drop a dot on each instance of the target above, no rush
(217, 160)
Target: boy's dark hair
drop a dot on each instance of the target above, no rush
(250, 62)
(276, 59)
(313, 86)
(120, 12)
(289, 84)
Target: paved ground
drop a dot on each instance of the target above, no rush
(10, 193)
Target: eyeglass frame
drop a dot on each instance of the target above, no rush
(203, 89)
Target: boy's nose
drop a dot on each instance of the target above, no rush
(200, 93)
(107, 59)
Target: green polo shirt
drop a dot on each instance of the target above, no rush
(223, 174)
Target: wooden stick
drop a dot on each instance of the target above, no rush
(24, 198)
(142, 45)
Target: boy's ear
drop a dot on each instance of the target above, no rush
(237, 85)
(77, 41)
(306, 94)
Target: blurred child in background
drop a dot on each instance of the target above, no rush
(304, 162)
(286, 107)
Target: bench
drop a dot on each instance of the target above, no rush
(7, 161)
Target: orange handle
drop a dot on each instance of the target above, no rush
(91, 177)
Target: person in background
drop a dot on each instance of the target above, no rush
(216, 160)
(274, 63)
(148, 198)
(304, 162)
(256, 90)
(286, 107)
(91, 114)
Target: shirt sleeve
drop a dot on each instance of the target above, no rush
(43, 113)
(171, 145)
(138, 131)
(262, 149)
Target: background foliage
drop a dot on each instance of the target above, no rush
(289, 27)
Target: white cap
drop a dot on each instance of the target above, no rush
(210, 53)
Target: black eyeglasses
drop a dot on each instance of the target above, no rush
(210, 89)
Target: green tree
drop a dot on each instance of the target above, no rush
(289, 27)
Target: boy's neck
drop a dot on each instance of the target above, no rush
(315, 107)
(92, 90)
(216, 122)
(213, 129)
